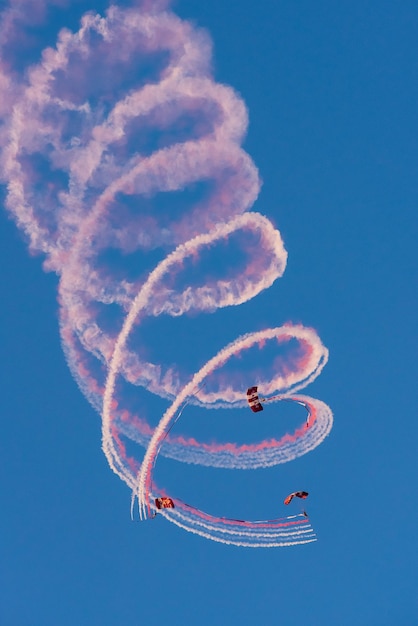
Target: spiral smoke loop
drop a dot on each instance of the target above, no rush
(117, 144)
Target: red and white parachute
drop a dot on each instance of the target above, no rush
(253, 399)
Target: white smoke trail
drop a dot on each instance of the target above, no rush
(92, 136)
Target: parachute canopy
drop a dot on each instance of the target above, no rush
(164, 503)
(297, 494)
(253, 401)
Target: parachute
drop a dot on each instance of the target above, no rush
(253, 401)
(297, 494)
(164, 503)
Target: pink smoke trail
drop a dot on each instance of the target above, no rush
(96, 133)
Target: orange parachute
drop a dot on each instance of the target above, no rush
(297, 494)
(164, 503)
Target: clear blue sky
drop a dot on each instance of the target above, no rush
(331, 91)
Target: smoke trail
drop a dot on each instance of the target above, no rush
(123, 164)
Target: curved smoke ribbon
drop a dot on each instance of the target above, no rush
(117, 146)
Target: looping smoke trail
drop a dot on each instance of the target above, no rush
(124, 168)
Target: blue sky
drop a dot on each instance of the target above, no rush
(331, 93)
